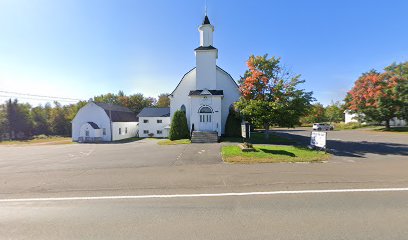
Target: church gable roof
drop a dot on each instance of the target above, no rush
(218, 68)
(206, 92)
(154, 112)
(117, 113)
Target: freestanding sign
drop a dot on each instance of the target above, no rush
(318, 139)
(245, 130)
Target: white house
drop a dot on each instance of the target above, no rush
(206, 92)
(353, 118)
(154, 122)
(350, 117)
(103, 122)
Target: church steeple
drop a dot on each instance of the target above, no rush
(206, 57)
(206, 33)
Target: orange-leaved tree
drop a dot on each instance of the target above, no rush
(269, 94)
(375, 97)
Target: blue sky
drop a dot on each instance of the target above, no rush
(82, 48)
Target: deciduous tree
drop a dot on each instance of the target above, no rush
(376, 95)
(315, 114)
(163, 100)
(270, 94)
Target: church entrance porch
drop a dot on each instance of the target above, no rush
(205, 115)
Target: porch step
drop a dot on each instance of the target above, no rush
(204, 137)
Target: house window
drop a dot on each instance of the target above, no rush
(145, 121)
(159, 131)
(183, 108)
(120, 131)
(87, 133)
(146, 131)
(125, 130)
(104, 131)
(159, 121)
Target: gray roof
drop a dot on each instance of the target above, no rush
(154, 112)
(205, 48)
(94, 125)
(118, 113)
(213, 92)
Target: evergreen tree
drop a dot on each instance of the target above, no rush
(4, 128)
(179, 128)
(233, 124)
(18, 118)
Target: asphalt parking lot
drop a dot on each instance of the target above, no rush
(357, 145)
(146, 167)
(142, 153)
(100, 176)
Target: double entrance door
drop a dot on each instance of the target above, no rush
(206, 121)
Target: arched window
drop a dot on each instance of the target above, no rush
(183, 108)
(205, 110)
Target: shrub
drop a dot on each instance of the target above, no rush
(345, 126)
(41, 136)
(179, 128)
(233, 124)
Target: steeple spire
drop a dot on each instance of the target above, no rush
(206, 20)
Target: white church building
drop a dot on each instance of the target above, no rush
(206, 92)
(103, 122)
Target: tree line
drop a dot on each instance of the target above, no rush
(21, 120)
(318, 113)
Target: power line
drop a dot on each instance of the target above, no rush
(37, 98)
(42, 96)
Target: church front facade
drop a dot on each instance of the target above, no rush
(206, 92)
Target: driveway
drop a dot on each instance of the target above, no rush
(356, 145)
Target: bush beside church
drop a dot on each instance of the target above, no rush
(179, 128)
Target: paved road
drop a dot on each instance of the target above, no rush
(143, 168)
(306, 216)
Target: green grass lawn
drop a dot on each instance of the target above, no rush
(272, 154)
(40, 141)
(259, 138)
(175, 142)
